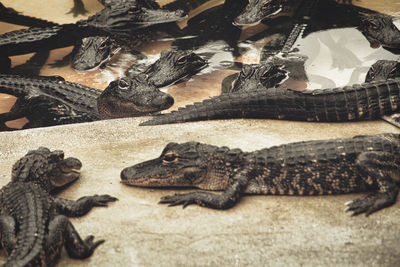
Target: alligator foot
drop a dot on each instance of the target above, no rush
(371, 203)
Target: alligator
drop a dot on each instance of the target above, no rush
(172, 67)
(117, 21)
(365, 101)
(34, 223)
(213, 24)
(320, 167)
(48, 101)
(329, 13)
(380, 30)
(383, 70)
(266, 75)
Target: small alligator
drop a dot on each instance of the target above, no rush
(172, 67)
(322, 167)
(34, 224)
(380, 30)
(213, 24)
(349, 103)
(263, 75)
(383, 70)
(48, 101)
(116, 21)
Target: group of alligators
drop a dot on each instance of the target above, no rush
(33, 223)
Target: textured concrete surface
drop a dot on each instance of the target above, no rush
(260, 230)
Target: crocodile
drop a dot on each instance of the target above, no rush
(319, 167)
(364, 101)
(34, 223)
(48, 101)
(172, 67)
(117, 21)
(380, 30)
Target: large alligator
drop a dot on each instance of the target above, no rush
(117, 21)
(48, 101)
(172, 67)
(365, 101)
(34, 224)
(322, 167)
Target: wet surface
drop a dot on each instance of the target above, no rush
(336, 57)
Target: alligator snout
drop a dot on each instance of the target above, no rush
(163, 101)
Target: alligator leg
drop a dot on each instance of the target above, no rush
(78, 9)
(77, 208)
(61, 231)
(225, 201)
(393, 119)
(8, 238)
(380, 169)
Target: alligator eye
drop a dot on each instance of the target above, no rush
(181, 60)
(134, 10)
(123, 84)
(372, 25)
(169, 157)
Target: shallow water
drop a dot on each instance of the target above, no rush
(336, 57)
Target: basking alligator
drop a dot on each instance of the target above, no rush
(172, 67)
(116, 21)
(380, 30)
(34, 224)
(48, 101)
(349, 103)
(336, 166)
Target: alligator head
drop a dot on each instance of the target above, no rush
(255, 76)
(94, 52)
(124, 17)
(131, 97)
(380, 30)
(47, 168)
(258, 10)
(172, 67)
(383, 70)
(188, 164)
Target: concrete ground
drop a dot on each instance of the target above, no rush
(259, 230)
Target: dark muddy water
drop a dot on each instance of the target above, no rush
(335, 57)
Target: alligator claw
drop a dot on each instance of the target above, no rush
(178, 199)
(102, 200)
(91, 246)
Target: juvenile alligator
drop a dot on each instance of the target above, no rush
(380, 30)
(349, 103)
(116, 21)
(322, 167)
(34, 224)
(48, 101)
(172, 67)
(383, 70)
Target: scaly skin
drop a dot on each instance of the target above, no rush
(172, 67)
(119, 20)
(350, 103)
(33, 224)
(335, 166)
(48, 101)
(380, 30)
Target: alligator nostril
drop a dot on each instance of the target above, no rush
(163, 101)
